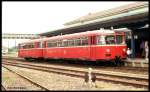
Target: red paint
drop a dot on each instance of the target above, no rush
(90, 52)
(33, 53)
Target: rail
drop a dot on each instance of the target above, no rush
(126, 80)
(36, 84)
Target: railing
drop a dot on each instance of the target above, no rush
(19, 36)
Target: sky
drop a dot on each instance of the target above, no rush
(40, 17)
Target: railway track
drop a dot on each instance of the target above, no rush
(65, 68)
(98, 67)
(136, 81)
(27, 79)
(3, 88)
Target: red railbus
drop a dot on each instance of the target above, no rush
(98, 45)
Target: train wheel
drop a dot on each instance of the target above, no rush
(39, 59)
(122, 63)
(27, 59)
(117, 61)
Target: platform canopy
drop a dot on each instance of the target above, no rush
(132, 16)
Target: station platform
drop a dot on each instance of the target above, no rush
(137, 62)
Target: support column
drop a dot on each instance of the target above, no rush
(132, 44)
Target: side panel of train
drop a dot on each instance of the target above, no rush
(68, 52)
(86, 52)
(84, 47)
(108, 52)
(31, 53)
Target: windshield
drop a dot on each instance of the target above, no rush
(110, 39)
(101, 40)
(119, 39)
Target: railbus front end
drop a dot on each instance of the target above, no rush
(110, 47)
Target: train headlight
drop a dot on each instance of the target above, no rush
(107, 50)
(124, 50)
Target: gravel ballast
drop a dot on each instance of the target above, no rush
(62, 82)
(12, 81)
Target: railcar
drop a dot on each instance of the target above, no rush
(31, 49)
(98, 45)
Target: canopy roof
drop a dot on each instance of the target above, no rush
(134, 15)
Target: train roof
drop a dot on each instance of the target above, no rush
(82, 34)
(87, 33)
(34, 40)
(75, 35)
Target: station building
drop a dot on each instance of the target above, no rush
(132, 16)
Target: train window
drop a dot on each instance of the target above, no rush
(71, 42)
(119, 39)
(110, 39)
(84, 41)
(78, 42)
(43, 44)
(49, 44)
(101, 40)
(52, 44)
(28, 46)
(65, 43)
(24, 46)
(39, 45)
(59, 43)
(31, 45)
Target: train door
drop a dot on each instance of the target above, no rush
(119, 40)
(115, 38)
(43, 43)
(92, 47)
